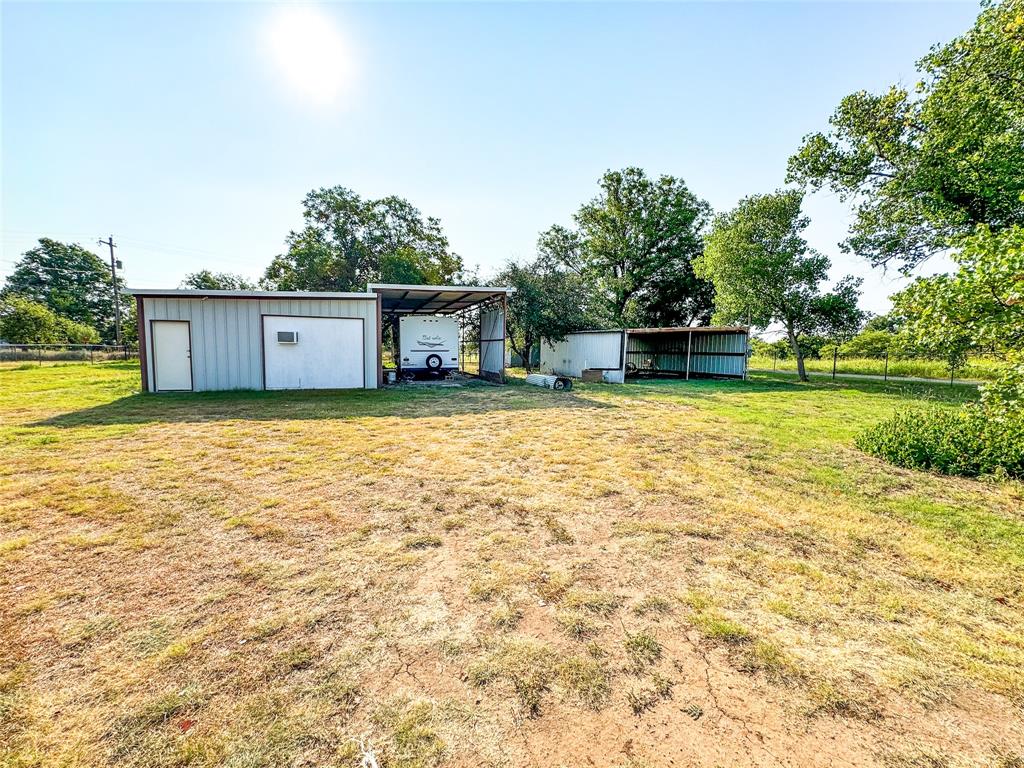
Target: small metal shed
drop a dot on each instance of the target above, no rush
(194, 340)
(688, 352)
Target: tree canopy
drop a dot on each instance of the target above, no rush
(923, 168)
(205, 280)
(71, 281)
(549, 303)
(23, 321)
(348, 241)
(764, 272)
(980, 307)
(635, 244)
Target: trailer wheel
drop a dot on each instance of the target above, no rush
(562, 384)
(434, 362)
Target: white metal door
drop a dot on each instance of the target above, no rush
(312, 352)
(172, 355)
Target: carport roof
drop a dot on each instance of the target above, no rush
(434, 299)
(690, 329)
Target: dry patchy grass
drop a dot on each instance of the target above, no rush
(664, 572)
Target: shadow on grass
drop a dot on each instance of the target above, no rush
(765, 384)
(400, 402)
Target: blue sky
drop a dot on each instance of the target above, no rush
(192, 131)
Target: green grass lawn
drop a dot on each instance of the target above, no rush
(659, 573)
(977, 369)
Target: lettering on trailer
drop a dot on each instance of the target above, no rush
(433, 342)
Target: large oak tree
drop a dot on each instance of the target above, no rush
(635, 244)
(349, 241)
(71, 281)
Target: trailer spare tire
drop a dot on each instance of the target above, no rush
(434, 362)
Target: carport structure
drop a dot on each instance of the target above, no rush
(486, 304)
(687, 352)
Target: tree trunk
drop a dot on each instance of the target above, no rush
(526, 354)
(801, 373)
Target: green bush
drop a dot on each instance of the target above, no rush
(77, 333)
(968, 441)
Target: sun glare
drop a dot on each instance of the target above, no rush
(309, 52)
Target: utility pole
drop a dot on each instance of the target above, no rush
(117, 294)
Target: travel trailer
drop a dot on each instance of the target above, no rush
(428, 344)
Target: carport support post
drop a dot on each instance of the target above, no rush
(689, 346)
(380, 340)
(504, 332)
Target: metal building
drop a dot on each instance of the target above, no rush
(697, 352)
(192, 340)
(196, 340)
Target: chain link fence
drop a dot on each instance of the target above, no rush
(56, 353)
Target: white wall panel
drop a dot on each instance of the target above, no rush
(580, 351)
(492, 341)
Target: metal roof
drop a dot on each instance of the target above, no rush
(691, 329)
(192, 293)
(434, 299)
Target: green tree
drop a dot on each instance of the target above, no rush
(761, 348)
(76, 333)
(348, 242)
(205, 280)
(549, 303)
(764, 272)
(71, 281)
(23, 321)
(869, 343)
(890, 322)
(979, 308)
(635, 244)
(925, 168)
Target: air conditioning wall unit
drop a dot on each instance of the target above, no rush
(287, 337)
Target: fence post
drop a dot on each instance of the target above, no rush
(91, 351)
(951, 369)
(835, 356)
(39, 349)
(885, 377)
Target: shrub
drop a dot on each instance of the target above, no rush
(970, 441)
(23, 321)
(28, 322)
(77, 333)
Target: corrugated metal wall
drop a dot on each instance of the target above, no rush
(226, 343)
(704, 360)
(720, 353)
(580, 351)
(492, 341)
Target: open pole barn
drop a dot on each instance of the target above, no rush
(687, 352)
(479, 310)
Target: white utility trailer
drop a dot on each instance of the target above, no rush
(428, 344)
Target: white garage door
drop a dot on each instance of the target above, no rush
(312, 352)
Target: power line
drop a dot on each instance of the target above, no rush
(149, 245)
